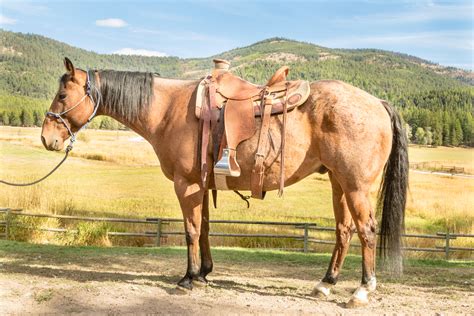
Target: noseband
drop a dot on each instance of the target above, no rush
(96, 107)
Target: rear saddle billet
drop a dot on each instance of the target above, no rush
(228, 106)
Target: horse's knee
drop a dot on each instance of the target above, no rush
(192, 237)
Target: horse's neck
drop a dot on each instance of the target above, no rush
(169, 103)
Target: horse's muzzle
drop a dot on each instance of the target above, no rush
(52, 143)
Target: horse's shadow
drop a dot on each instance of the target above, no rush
(83, 276)
(166, 282)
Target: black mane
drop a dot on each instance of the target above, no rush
(125, 93)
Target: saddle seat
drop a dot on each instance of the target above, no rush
(231, 87)
(232, 104)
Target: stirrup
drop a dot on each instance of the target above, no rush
(227, 165)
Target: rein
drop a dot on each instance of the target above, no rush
(73, 135)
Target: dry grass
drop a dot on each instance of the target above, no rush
(459, 157)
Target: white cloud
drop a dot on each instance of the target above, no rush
(111, 23)
(6, 20)
(141, 52)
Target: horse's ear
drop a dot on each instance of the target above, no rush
(69, 66)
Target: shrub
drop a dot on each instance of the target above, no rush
(88, 234)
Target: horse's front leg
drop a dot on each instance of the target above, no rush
(205, 247)
(190, 196)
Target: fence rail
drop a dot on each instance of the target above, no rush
(436, 166)
(160, 233)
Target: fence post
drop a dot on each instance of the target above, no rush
(158, 233)
(305, 240)
(7, 225)
(446, 247)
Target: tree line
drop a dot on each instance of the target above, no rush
(439, 117)
(34, 118)
(432, 118)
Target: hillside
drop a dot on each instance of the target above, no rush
(30, 65)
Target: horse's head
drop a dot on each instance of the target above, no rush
(71, 109)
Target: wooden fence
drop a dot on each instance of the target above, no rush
(437, 167)
(159, 233)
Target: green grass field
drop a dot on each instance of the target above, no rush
(114, 174)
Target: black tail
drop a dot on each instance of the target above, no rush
(393, 194)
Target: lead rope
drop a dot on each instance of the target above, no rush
(68, 149)
(73, 135)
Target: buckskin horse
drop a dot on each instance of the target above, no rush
(340, 129)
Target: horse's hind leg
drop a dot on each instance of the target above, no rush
(365, 222)
(344, 231)
(204, 246)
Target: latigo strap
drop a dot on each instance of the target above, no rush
(256, 181)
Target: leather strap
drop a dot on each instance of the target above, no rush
(206, 129)
(283, 135)
(256, 181)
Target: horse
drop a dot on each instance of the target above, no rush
(340, 129)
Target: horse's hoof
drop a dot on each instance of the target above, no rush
(359, 298)
(182, 290)
(356, 302)
(185, 285)
(200, 282)
(322, 290)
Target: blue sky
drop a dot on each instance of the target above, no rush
(439, 31)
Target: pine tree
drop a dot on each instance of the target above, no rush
(14, 119)
(4, 118)
(420, 135)
(428, 139)
(26, 118)
(37, 119)
(456, 133)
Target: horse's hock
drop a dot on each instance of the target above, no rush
(228, 106)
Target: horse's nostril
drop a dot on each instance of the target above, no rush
(43, 140)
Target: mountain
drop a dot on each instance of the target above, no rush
(31, 64)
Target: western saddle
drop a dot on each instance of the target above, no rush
(227, 107)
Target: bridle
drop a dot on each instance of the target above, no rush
(96, 107)
(59, 116)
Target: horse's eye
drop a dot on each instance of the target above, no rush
(62, 96)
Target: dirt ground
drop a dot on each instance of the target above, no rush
(91, 282)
